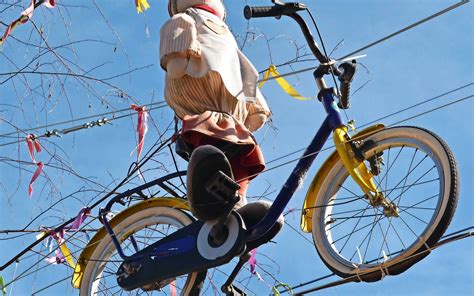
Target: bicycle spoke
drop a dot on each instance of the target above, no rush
(415, 182)
(349, 237)
(393, 163)
(416, 217)
(370, 238)
(406, 176)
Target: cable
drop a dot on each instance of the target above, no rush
(385, 117)
(77, 119)
(462, 2)
(446, 239)
(86, 125)
(144, 160)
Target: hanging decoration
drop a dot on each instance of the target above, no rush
(141, 5)
(142, 126)
(25, 16)
(83, 213)
(2, 286)
(290, 90)
(33, 145)
(57, 259)
(253, 264)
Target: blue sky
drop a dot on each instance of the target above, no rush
(431, 59)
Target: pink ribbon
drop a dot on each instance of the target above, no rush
(83, 213)
(29, 11)
(253, 260)
(253, 264)
(57, 259)
(25, 16)
(38, 171)
(142, 126)
(173, 288)
(33, 145)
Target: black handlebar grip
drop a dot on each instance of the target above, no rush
(345, 95)
(346, 76)
(261, 11)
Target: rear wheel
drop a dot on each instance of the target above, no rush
(419, 174)
(134, 233)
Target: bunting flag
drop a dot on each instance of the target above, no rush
(142, 126)
(25, 16)
(141, 5)
(290, 90)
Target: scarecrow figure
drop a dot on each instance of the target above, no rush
(212, 87)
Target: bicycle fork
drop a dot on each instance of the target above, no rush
(352, 156)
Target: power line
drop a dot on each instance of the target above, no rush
(76, 128)
(387, 116)
(330, 147)
(77, 119)
(462, 2)
(446, 239)
(454, 6)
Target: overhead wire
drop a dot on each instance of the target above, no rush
(372, 44)
(435, 15)
(150, 153)
(388, 116)
(76, 128)
(78, 119)
(445, 239)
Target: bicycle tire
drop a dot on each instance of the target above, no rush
(330, 244)
(140, 221)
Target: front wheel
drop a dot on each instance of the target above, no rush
(418, 173)
(134, 233)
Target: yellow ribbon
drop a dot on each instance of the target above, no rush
(141, 5)
(67, 254)
(290, 90)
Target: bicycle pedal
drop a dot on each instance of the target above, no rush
(223, 187)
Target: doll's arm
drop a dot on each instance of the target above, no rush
(178, 41)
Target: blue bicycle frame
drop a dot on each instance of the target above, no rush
(332, 121)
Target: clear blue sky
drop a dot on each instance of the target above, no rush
(429, 60)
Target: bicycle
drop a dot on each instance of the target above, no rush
(362, 185)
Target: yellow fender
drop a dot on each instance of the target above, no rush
(312, 194)
(89, 249)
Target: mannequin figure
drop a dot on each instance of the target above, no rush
(212, 87)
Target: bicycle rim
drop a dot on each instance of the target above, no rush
(135, 233)
(354, 238)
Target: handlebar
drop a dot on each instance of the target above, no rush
(290, 10)
(276, 11)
